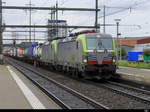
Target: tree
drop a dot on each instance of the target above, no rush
(123, 52)
(147, 52)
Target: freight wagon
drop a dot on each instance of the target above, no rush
(20, 52)
(146, 58)
(29, 51)
(37, 51)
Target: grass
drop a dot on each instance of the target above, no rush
(134, 64)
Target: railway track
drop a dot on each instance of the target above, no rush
(137, 85)
(65, 97)
(129, 91)
(94, 90)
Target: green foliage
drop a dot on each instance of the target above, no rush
(134, 64)
(123, 52)
(147, 52)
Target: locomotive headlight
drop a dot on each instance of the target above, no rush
(114, 60)
(85, 60)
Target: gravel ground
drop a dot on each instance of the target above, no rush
(131, 91)
(101, 95)
(60, 93)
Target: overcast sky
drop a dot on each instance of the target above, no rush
(138, 15)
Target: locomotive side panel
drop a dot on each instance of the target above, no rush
(68, 53)
(47, 55)
(44, 54)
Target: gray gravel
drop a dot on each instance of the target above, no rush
(69, 99)
(101, 95)
(131, 91)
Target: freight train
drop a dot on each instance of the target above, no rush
(85, 55)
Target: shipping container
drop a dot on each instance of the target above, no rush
(133, 56)
(20, 52)
(146, 58)
(37, 51)
(14, 53)
(29, 51)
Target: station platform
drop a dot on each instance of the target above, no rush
(17, 92)
(135, 74)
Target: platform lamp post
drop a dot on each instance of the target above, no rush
(120, 48)
(117, 48)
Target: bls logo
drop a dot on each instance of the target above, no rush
(110, 54)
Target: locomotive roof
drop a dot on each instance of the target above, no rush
(98, 35)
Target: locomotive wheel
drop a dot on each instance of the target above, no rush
(81, 74)
(75, 73)
(68, 71)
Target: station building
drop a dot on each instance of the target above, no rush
(135, 47)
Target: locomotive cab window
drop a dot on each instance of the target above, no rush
(99, 43)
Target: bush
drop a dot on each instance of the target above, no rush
(147, 52)
(123, 53)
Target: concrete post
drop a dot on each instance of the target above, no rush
(1, 34)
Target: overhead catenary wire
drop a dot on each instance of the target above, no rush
(111, 7)
(45, 8)
(121, 9)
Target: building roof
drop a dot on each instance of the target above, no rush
(143, 41)
(135, 38)
(132, 41)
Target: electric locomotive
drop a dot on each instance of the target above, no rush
(88, 55)
(85, 55)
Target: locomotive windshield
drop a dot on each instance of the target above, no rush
(99, 43)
